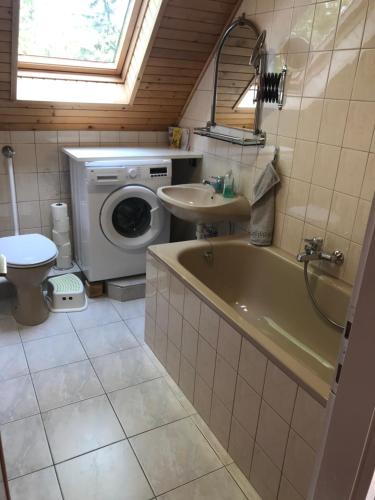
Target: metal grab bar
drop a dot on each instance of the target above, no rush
(3, 265)
(9, 153)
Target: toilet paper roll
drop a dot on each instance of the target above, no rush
(59, 211)
(60, 238)
(61, 225)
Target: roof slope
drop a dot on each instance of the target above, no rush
(185, 39)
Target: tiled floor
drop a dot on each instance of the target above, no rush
(87, 411)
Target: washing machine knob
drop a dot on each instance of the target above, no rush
(132, 173)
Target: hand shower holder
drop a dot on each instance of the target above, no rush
(271, 87)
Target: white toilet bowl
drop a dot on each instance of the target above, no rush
(29, 259)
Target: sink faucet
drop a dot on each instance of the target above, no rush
(216, 182)
(210, 185)
(314, 251)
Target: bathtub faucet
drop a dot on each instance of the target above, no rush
(314, 251)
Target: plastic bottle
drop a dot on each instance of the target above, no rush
(228, 191)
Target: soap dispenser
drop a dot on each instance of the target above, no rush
(228, 191)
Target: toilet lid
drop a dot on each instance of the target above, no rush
(27, 249)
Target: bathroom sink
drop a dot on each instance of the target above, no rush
(199, 203)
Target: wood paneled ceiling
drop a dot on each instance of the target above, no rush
(183, 44)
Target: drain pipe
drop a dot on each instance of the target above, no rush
(9, 153)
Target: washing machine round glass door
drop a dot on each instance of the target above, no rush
(132, 217)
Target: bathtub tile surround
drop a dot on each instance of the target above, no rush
(325, 130)
(111, 425)
(270, 425)
(42, 170)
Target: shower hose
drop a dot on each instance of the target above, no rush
(315, 304)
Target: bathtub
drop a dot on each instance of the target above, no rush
(261, 292)
(234, 327)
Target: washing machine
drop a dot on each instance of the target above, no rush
(117, 214)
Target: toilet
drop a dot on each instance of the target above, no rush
(29, 259)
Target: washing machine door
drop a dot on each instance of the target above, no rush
(132, 217)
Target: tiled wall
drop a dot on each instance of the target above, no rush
(270, 426)
(325, 130)
(42, 171)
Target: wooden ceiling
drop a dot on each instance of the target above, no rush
(183, 44)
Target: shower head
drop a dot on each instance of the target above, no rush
(257, 50)
(8, 151)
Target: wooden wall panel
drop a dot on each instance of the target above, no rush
(185, 39)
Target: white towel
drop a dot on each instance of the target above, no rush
(263, 207)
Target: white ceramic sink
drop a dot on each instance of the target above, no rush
(199, 203)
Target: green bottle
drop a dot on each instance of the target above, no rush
(228, 191)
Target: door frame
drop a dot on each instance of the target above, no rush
(346, 459)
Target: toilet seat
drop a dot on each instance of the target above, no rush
(27, 250)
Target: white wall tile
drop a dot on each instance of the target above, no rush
(333, 122)
(279, 391)
(351, 171)
(342, 215)
(47, 158)
(351, 24)
(46, 136)
(324, 27)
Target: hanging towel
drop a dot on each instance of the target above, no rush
(263, 207)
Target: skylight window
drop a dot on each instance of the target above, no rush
(82, 51)
(74, 33)
(247, 100)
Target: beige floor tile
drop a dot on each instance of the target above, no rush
(124, 369)
(9, 334)
(81, 427)
(40, 485)
(66, 384)
(174, 454)
(109, 473)
(130, 309)
(218, 485)
(55, 324)
(18, 399)
(137, 327)
(99, 312)
(54, 351)
(105, 339)
(25, 446)
(146, 406)
(12, 362)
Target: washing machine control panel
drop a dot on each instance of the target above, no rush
(119, 172)
(132, 172)
(158, 171)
